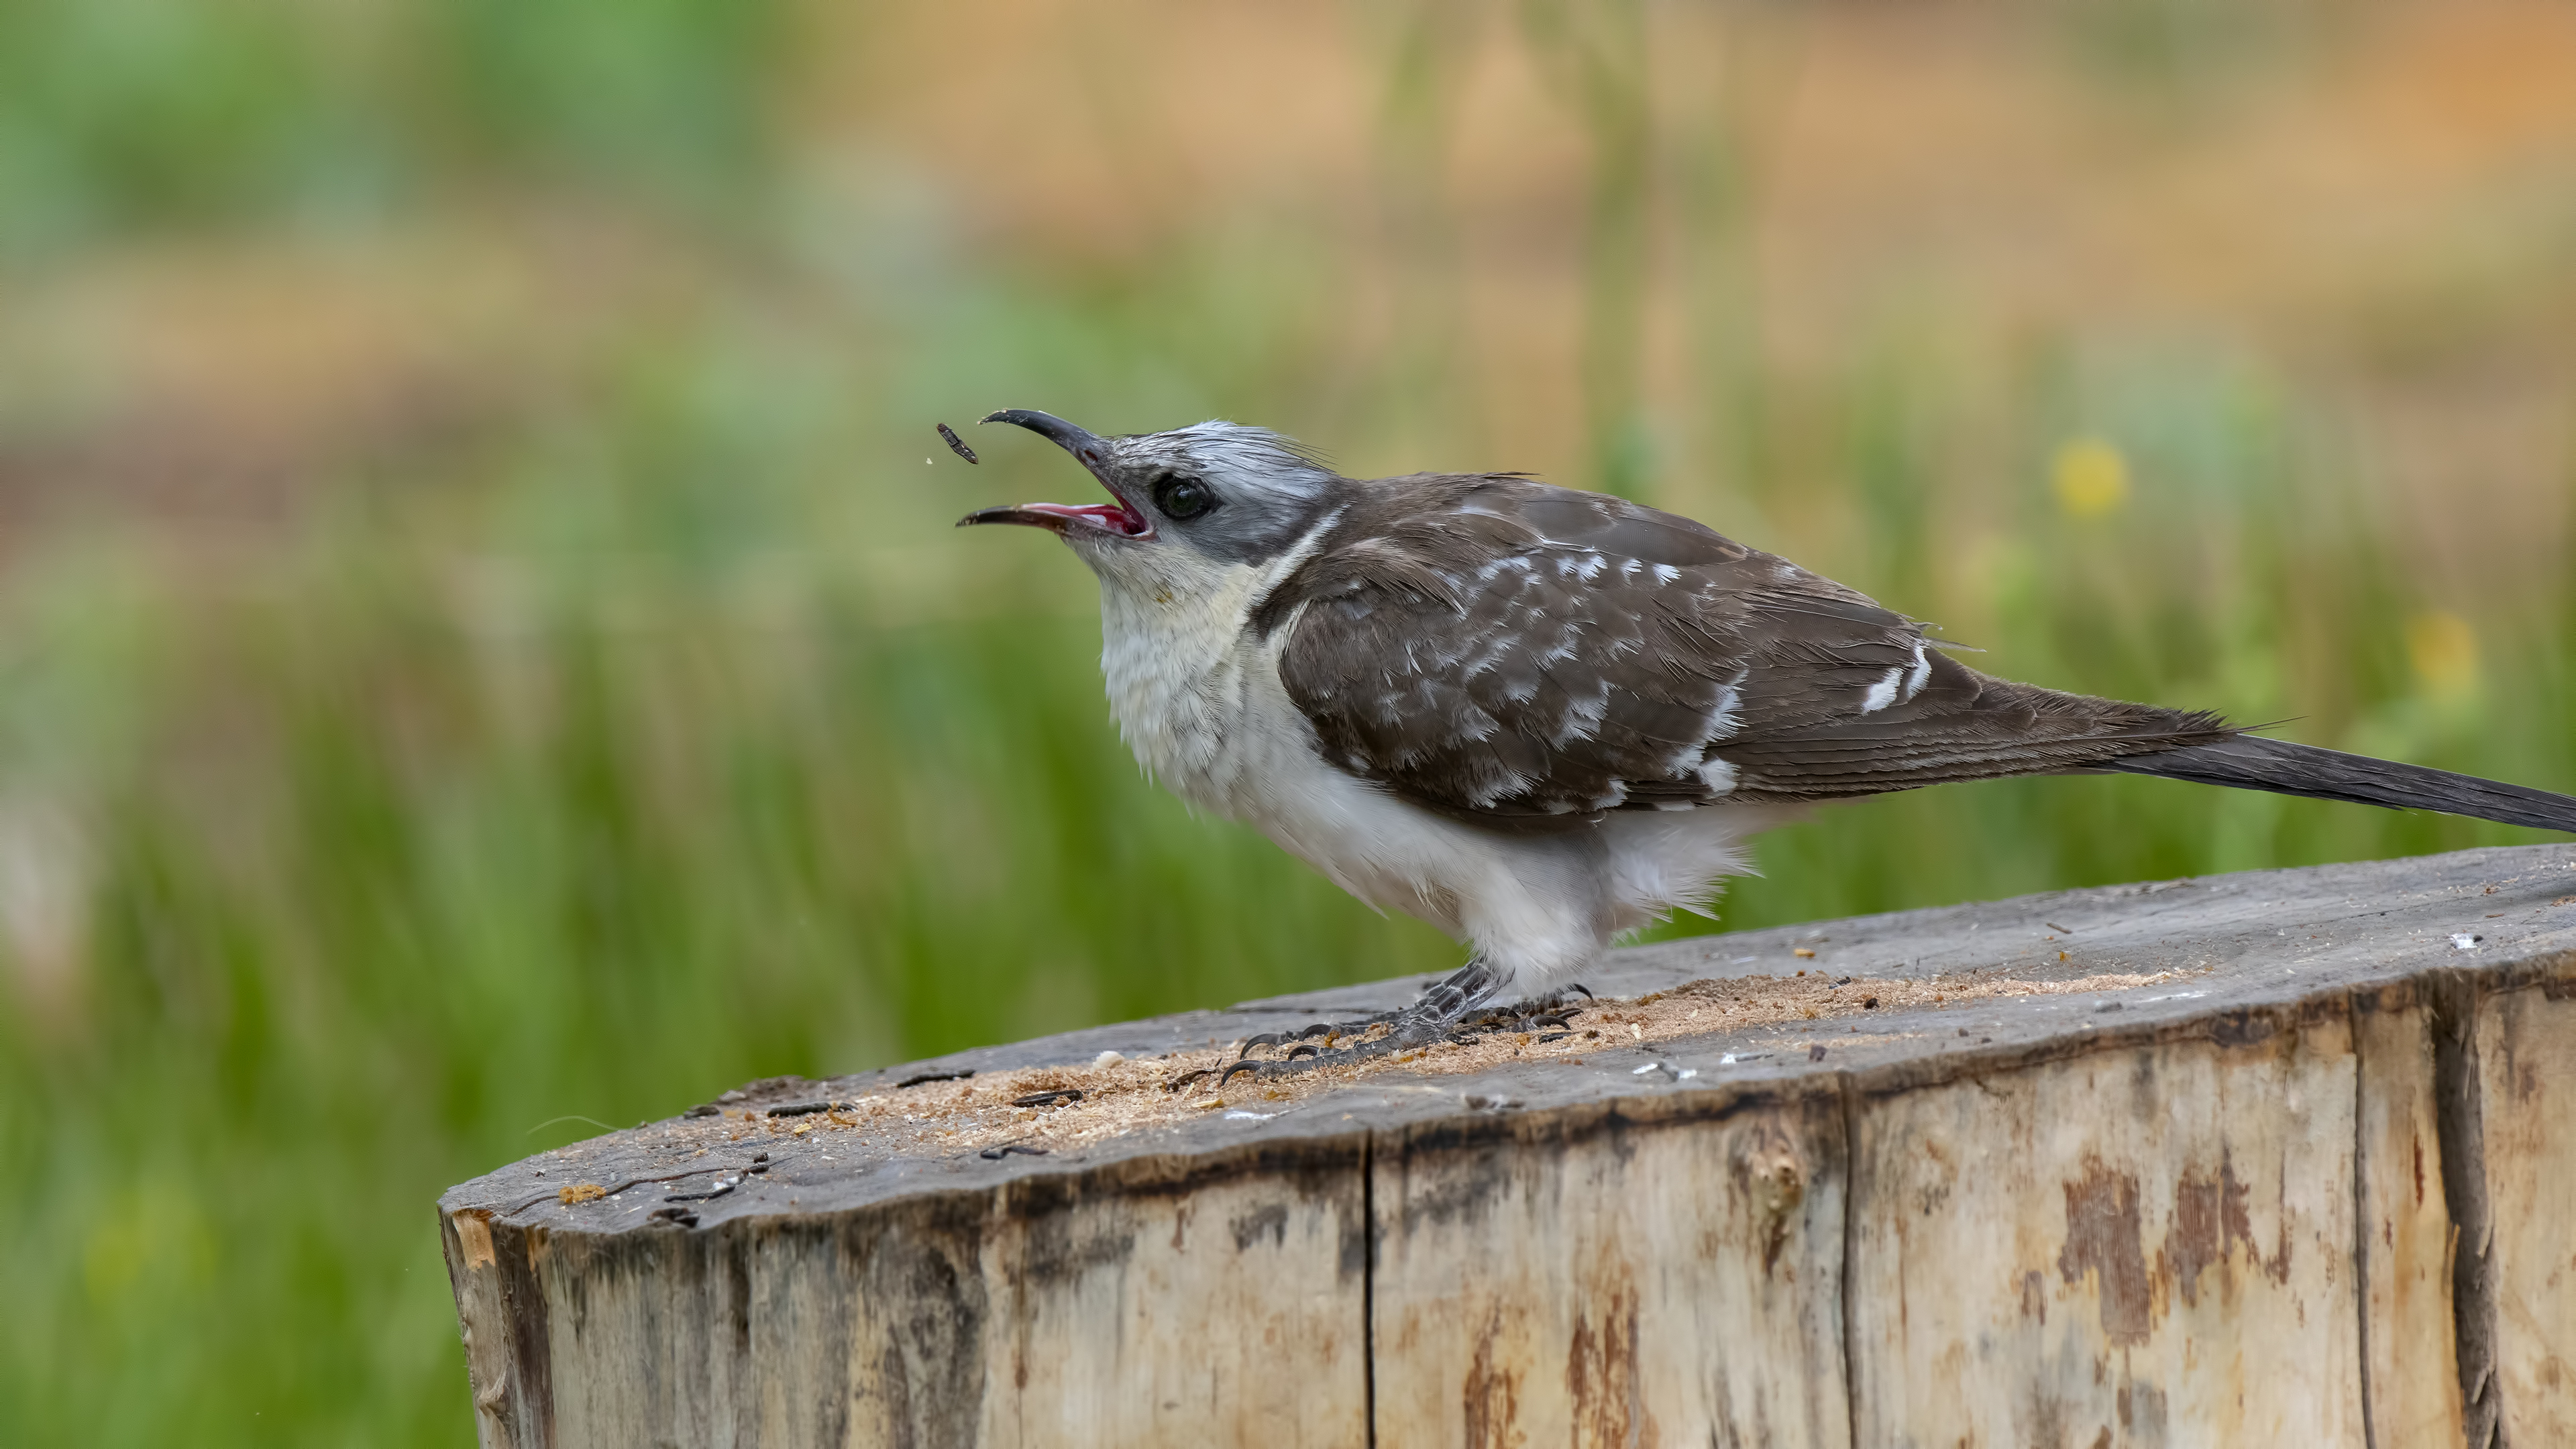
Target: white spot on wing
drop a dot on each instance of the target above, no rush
(1582, 718)
(1723, 724)
(1920, 674)
(1666, 573)
(1883, 693)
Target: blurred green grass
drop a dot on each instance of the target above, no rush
(664, 736)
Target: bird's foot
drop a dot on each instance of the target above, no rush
(1330, 1031)
(1449, 1010)
(1551, 1012)
(1367, 1045)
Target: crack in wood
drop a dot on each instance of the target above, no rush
(2459, 1113)
(2361, 1215)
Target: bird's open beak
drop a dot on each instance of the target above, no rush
(1121, 519)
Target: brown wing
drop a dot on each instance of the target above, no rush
(1505, 650)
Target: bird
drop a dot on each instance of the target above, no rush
(1540, 718)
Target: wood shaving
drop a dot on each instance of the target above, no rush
(1125, 1095)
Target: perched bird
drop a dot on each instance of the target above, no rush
(1538, 717)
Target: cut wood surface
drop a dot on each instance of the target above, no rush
(2280, 1157)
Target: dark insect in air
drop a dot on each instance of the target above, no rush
(957, 444)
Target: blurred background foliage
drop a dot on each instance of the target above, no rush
(482, 653)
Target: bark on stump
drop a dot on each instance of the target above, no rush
(2317, 1191)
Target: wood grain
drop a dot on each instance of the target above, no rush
(2403, 1247)
(2144, 1246)
(1606, 1279)
(1038, 1314)
(2527, 1090)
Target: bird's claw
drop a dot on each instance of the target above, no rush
(1306, 1057)
(1449, 1011)
(1325, 1029)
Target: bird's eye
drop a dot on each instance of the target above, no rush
(1181, 496)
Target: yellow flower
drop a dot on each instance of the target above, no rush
(2444, 650)
(2090, 476)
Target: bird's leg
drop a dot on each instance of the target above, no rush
(1448, 1001)
(1432, 1016)
(1439, 1006)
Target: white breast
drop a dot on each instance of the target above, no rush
(1172, 655)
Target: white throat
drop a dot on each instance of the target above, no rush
(1195, 697)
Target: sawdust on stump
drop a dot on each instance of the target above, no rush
(1120, 1095)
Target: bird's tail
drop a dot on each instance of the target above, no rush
(2248, 762)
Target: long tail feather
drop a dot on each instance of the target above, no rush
(2250, 763)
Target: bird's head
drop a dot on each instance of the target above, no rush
(1204, 496)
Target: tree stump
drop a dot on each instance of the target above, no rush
(2260, 1158)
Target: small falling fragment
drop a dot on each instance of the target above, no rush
(2463, 941)
(582, 1192)
(1108, 1058)
(1802, 953)
(1243, 1116)
(1480, 1102)
(996, 1154)
(1816, 1053)
(956, 444)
